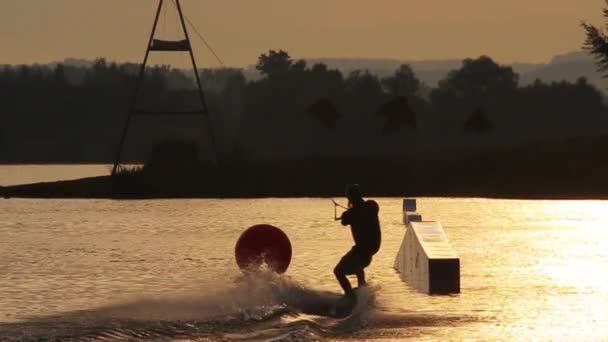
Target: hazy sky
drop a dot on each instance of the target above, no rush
(239, 30)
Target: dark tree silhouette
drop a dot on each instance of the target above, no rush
(479, 77)
(478, 83)
(397, 113)
(325, 112)
(274, 63)
(478, 123)
(73, 113)
(364, 92)
(218, 80)
(597, 43)
(298, 66)
(59, 77)
(403, 83)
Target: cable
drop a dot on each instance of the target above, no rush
(162, 57)
(180, 61)
(219, 60)
(205, 42)
(338, 204)
(164, 23)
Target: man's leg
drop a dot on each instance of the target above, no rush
(343, 268)
(343, 280)
(361, 278)
(362, 262)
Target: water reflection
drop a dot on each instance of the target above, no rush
(530, 269)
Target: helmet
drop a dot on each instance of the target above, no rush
(353, 191)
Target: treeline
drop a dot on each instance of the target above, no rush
(294, 111)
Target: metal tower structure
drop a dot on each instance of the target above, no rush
(158, 45)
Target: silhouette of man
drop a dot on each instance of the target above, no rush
(362, 216)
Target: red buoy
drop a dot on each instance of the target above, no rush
(263, 243)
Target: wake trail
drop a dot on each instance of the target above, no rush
(260, 307)
(263, 306)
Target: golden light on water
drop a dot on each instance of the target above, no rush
(574, 230)
(571, 254)
(530, 270)
(537, 269)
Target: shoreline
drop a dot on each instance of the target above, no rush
(103, 187)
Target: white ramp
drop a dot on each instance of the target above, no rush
(426, 260)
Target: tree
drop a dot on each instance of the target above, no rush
(219, 80)
(478, 123)
(325, 112)
(298, 66)
(478, 77)
(397, 113)
(363, 94)
(363, 91)
(274, 63)
(597, 43)
(403, 83)
(59, 75)
(479, 82)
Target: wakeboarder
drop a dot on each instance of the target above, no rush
(362, 216)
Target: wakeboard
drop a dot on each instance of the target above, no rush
(330, 304)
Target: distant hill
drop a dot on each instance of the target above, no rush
(565, 67)
(430, 72)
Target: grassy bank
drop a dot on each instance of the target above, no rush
(571, 169)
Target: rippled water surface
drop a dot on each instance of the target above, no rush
(165, 270)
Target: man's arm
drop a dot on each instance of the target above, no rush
(345, 219)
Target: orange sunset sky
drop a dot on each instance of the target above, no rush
(239, 30)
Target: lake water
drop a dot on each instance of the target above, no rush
(165, 270)
(22, 174)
